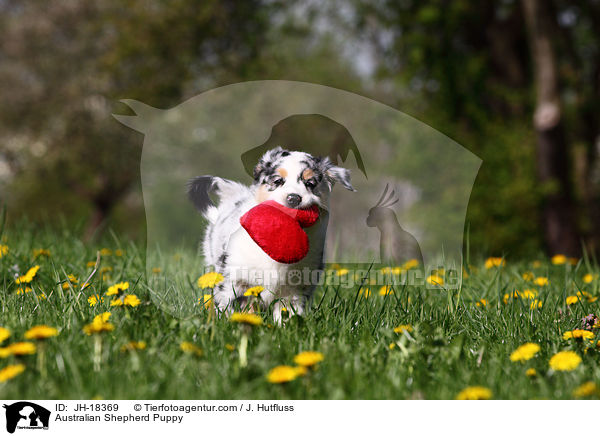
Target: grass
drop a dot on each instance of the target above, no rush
(454, 343)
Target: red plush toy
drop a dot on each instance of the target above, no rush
(278, 229)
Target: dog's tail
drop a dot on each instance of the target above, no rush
(199, 190)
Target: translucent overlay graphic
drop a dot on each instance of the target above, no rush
(412, 182)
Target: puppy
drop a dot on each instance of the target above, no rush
(291, 178)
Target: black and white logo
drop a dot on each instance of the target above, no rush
(26, 415)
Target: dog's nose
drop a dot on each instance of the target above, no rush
(293, 200)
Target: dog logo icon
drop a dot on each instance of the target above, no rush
(26, 415)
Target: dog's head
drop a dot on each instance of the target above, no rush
(296, 179)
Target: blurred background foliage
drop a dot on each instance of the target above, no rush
(476, 71)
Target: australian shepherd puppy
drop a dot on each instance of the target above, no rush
(291, 178)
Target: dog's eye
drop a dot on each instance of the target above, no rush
(311, 183)
(278, 181)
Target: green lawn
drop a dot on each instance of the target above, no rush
(453, 343)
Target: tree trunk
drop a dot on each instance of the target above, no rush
(96, 220)
(558, 213)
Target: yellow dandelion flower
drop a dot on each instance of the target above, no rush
(283, 374)
(210, 280)
(119, 252)
(474, 393)
(572, 299)
(28, 276)
(95, 299)
(541, 281)
(558, 259)
(246, 318)
(507, 297)
(434, 279)
(38, 252)
(3, 250)
(586, 390)
(104, 317)
(90, 264)
(254, 291)
(536, 304)
(4, 334)
(308, 358)
(133, 345)
(22, 291)
(117, 288)
(342, 272)
(409, 264)
(565, 361)
(230, 347)
(21, 348)
(528, 276)
(392, 345)
(492, 262)
(100, 324)
(481, 303)
(386, 290)
(41, 296)
(465, 273)
(302, 370)
(528, 294)
(71, 281)
(106, 252)
(41, 332)
(365, 292)
(131, 300)
(106, 269)
(11, 371)
(116, 302)
(536, 263)
(531, 372)
(156, 270)
(188, 347)
(589, 297)
(578, 334)
(403, 328)
(207, 301)
(588, 278)
(524, 352)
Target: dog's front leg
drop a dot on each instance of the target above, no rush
(286, 307)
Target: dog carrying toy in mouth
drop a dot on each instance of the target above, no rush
(267, 233)
(277, 230)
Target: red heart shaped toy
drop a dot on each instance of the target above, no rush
(277, 230)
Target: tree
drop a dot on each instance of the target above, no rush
(64, 67)
(552, 148)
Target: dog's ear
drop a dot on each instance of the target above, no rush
(338, 174)
(267, 161)
(258, 169)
